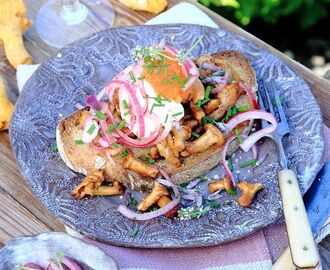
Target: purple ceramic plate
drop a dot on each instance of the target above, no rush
(84, 68)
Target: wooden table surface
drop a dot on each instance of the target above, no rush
(20, 212)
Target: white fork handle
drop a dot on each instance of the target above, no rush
(302, 245)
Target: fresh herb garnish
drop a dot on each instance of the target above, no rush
(150, 161)
(115, 145)
(91, 129)
(124, 153)
(214, 204)
(125, 104)
(243, 108)
(230, 164)
(166, 118)
(159, 105)
(186, 79)
(131, 74)
(135, 232)
(231, 192)
(248, 163)
(208, 119)
(190, 212)
(112, 128)
(281, 97)
(100, 115)
(121, 124)
(55, 149)
(132, 202)
(180, 82)
(195, 135)
(238, 135)
(176, 114)
(203, 178)
(126, 113)
(166, 81)
(78, 142)
(208, 91)
(141, 78)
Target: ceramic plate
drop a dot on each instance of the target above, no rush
(41, 248)
(84, 68)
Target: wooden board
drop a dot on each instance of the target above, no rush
(20, 212)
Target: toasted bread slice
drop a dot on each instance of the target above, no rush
(84, 160)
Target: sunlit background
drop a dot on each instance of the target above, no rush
(299, 28)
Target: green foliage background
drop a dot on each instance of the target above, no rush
(308, 12)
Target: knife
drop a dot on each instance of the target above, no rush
(317, 211)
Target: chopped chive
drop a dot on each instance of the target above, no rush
(208, 91)
(234, 111)
(173, 76)
(195, 44)
(112, 127)
(281, 97)
(126, 113)
(199, 103)
(141, 78)
(147, 59)
(166, 99)
(243, 108)
(135, 232)
(229, 203)
(132, 76)
(231, 192)
(91, 129)
(210, 120)
(206, 100)
(166, 81)
(154, 208)
(124, 153)
(78, 142)
(238, 135)
(125, 105)
(151, 161)
(159, 105)
(166, 118)
(55, 149)
(152, 108)
(204, 121)
(186, 79)
(149, 64)
(166, 72)
(195, 135)
(115, 145)
(100, 115)
(180, 82)
(121, 124)
(183, 185)
(248, 163)
(133, 202)
(230, 164)
(203, 178)
(214, 204)
(159, 68)
(228, 114)
(150, 70)
(176, 114)
(159, 99)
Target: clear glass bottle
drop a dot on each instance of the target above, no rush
(60, 22)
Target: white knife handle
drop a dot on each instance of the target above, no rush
(284, 262)
(303, 248)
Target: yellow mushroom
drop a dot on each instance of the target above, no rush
(249, 190)
(157, 192)
(13, 25)
(6, 108)
(224, 184)
(212, 136)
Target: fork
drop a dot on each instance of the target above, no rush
(301, 241)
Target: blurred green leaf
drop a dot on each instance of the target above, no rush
(307, 11)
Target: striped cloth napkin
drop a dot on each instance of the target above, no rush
(255, 252)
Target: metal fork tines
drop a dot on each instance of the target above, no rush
(274, 106)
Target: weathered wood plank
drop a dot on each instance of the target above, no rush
(15, 186)
(15, 220)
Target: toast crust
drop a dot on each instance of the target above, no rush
(84, 160)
